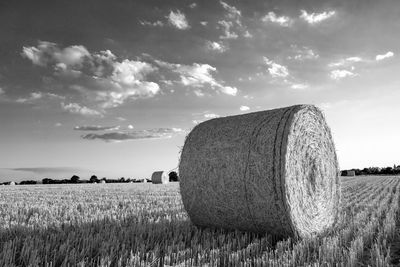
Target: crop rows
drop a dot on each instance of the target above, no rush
(146, 225)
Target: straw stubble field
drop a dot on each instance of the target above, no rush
(146, 225)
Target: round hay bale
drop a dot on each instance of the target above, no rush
(160, 177)
(12, 183)
(272, 171)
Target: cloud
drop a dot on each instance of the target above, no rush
(244, 108)
(232, 24)
(46, 53)
(95, 128)
(346, 62)
(134, 135)
(211, 116)
(276, 70)
(299, 86)
(130, 127)
(46, 170)
(384, 56)
(226, 27)
(283, 21)
(233, 12)
(58, 124)
(100, 77)
(178, 20)
(198, 76)
(216, 46)
(314, 18)
(340, 74)
(204, 23)
(37, 96)
(157, 23)
(1, 91)
(75, 108)
(303, 53)
(193, 5)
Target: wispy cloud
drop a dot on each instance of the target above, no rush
(244, 108)
(95, 128)
(198, 76)
(178, 20)
(157, 23)
(384, 56)
(134, 135)
(35, 96)
(283, 21)
(46, 170)
(211, 116)
(315, 18)
(303, 53)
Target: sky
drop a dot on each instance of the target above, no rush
(113, 87)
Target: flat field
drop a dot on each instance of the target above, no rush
(146, 225)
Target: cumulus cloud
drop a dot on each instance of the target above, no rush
(204, 23)
(1, 91)
(315, 18)
(101, 78)
(193, 5)
(178, 20)
(283, 21)
(47, 53)
(340, 74)
(95, 128)
(276, 70)
(75, 108)
(384, 56)
(244, 108)
(134, 135)
(216, 46)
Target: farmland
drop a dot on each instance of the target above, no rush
(146, 225)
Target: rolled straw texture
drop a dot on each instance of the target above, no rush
(272, 171)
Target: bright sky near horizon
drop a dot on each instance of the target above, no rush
(112, 87)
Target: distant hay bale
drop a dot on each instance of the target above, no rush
(12, 183)
(160, 177)
(350, 173)
(270, 172)
(103, 182)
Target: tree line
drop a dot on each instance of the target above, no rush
(395, 170)
(75, 179)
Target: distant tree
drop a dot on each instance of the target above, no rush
(173, 177)
(122, 180)
(47, 181)
(28, 182)
(75, 179)
(93, 179)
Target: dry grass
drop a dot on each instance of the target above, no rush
(272, 171)
(146, 225)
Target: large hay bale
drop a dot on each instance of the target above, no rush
(160, 177)
(272, 171)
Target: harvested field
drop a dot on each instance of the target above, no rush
(144, 224)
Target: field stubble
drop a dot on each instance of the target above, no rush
(146, 225)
